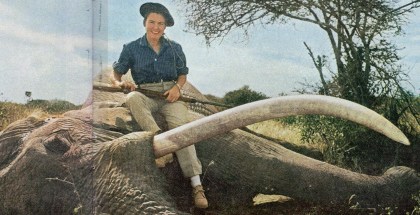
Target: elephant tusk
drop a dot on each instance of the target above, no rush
(222, 122)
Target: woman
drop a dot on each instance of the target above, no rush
(158, 64)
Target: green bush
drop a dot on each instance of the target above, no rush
(348, 144)
(242, 96)
(52, 106)
(416, 198)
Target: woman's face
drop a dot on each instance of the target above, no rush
(155, 26)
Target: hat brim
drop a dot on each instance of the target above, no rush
(150, 7)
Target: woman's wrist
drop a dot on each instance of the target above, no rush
(179, 86)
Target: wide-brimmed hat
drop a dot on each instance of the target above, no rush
(149, 7)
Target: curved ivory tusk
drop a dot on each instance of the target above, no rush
(258, 111)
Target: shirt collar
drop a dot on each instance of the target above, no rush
(143, 41)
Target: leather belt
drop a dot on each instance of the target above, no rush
(160, 81)
(158, 86)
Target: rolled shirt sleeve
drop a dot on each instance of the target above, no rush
(181, 61)
(124, 62)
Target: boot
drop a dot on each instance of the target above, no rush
(200, 200)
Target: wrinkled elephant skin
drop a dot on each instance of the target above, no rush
(77, 163)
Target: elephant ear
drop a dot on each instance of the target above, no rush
(258, 111)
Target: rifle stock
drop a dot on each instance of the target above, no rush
(151, 93)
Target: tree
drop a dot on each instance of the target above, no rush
(360, 34)
(242, 96)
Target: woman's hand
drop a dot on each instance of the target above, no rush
(125, 85)
(117, 82)
(128, 85)
(173, 94)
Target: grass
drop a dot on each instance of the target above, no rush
(11, 112)
(286, 134)
(277, 130)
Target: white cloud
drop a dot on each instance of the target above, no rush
(48, 64)
(64, 42)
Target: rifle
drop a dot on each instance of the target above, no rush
(151, 93)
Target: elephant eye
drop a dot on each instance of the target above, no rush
(57, 144)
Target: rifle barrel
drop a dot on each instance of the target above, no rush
(109, 88)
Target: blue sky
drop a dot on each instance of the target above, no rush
(47, 49)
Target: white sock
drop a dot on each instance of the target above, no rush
(195, 181)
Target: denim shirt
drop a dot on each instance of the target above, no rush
(148, 67)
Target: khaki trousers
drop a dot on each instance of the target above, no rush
(175, 113)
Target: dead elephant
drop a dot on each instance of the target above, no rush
(91, 162)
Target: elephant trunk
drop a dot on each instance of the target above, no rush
(262, 166)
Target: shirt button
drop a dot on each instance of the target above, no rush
(155, 59)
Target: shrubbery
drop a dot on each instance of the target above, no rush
(348, 144)
(51, 106)
(242, 96)
(353, 146)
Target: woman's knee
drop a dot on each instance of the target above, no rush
(176, 114)
(134, 97)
